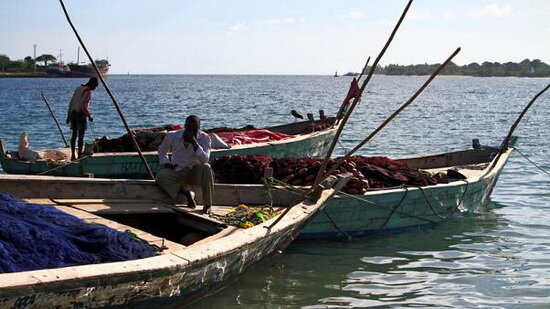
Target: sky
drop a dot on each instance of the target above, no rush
(275, 37)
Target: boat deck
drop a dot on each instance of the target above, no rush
(470, 171)
(91, 211)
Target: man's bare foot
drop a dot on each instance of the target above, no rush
(206, 210)
(190, 200)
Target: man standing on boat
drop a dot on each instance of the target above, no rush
(188, 163)
(78, 112)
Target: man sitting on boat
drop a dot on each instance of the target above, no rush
(78, 112)
(188, 163)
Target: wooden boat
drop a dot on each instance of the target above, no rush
(396, 209)
(180, 274)
(128, 164)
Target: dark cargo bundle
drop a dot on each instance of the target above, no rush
(368, 172)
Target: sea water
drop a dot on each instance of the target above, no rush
(499, 258)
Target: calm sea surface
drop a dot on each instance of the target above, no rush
(498, 258)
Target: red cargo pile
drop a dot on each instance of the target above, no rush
(368, 172)
(251, 137)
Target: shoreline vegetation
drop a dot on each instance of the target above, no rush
(525, 68)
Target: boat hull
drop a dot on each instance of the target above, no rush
(390, 211)
(129, 165)
(182, 281)
(177, 277)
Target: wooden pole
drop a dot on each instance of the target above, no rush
(358, 97)
(415, 95)
(54, 119)
(506, 143)
(389, 119)
(115, 103)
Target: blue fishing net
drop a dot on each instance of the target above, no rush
(36, 237)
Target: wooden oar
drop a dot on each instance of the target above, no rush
(54, 118)
(358, 97)
(506, 143)
(389, 119)
(115, 103)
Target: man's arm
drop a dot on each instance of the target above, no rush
(203, 150)
(164, 148)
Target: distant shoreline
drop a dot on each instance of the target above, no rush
(44, 75)
(525, 68)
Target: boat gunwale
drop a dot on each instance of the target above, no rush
(69, 179)
(292, 139)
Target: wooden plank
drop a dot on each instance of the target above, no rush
(41, 201)
(101, 201)
(123, 208)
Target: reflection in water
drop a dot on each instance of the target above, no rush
(420, 267)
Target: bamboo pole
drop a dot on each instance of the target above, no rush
(388, 120)
(358, 97)
(506, 143)
(54, 118)
(115, 103)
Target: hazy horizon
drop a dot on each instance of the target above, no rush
(284, 38)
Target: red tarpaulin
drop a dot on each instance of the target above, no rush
(251, 137)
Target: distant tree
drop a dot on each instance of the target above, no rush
(527, 68)
(29, 62)
(45, 58)
(4, 60)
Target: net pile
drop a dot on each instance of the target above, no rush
(246, 217)
(35, 237)
(368, 172)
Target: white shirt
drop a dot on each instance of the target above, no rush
(184, 155)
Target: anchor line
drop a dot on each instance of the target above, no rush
(336, 226)
(532, 162)
(395, 208)
(444, 218)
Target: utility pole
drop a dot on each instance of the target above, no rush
(78, 56)
(34, 58)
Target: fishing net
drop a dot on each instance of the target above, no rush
(35, 236)
(367, 172)
(246, 217)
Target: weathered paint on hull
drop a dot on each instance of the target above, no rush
(130, 166)
(175, 277)
(181, 284)
(359, 219)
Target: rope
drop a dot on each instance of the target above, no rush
(336, 226)
(430, 204)
(387, 207)
(444, 218)
(392, 210)
(395, 208)
(535, 164)
(63, 165)
(346, 150)
(92, 129)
